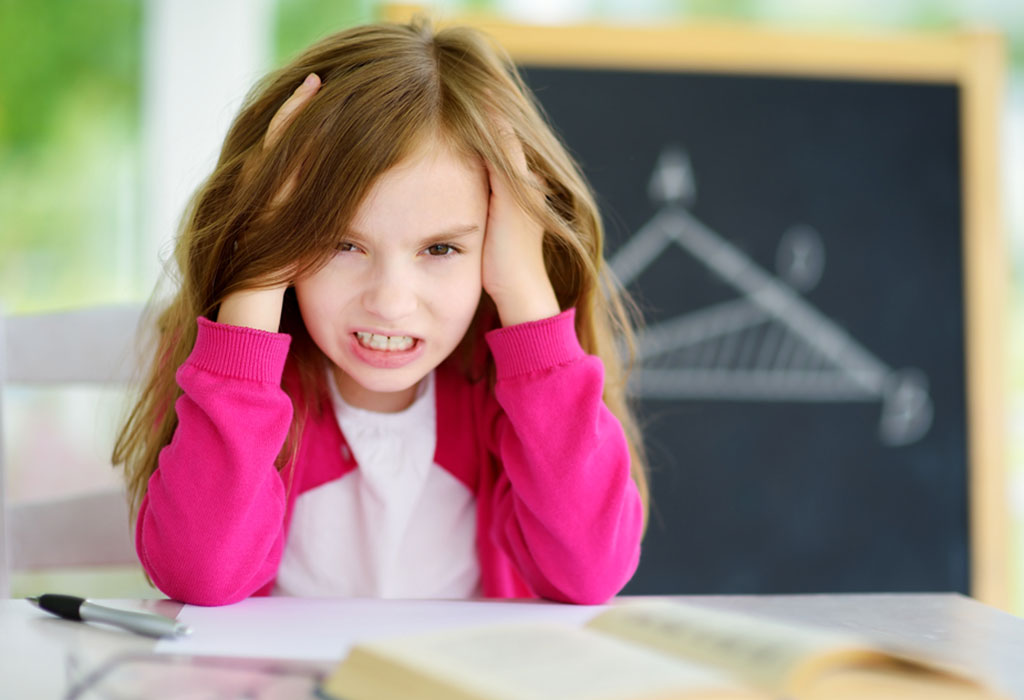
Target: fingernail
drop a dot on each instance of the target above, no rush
(310, 80)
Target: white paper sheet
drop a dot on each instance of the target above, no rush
(318, 629)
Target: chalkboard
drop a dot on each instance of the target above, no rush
(795, 245)
(807, 238)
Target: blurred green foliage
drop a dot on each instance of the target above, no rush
(69, 125)
(737, 10)
(302, 22)
(64, 53)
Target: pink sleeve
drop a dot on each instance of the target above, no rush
(210, 529)
(566, 509)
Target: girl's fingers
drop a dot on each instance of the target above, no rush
(281, 119)
(499, 187)
(284, 115)
(286, 189)
(278, 123)
(511, 144)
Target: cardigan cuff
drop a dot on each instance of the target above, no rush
(239, 352)
(535, 346)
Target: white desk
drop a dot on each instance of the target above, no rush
(38, 652)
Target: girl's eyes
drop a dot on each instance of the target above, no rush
(437, 250)
(442, 250)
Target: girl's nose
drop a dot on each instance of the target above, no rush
(390, 295)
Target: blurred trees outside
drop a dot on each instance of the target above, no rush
(69, 94)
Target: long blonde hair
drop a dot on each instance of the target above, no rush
(384, 89)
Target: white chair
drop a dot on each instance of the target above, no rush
(91, 346)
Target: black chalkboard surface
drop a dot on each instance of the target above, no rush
(796, 247)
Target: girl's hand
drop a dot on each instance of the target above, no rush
(514, 275)
(282, 118)
(261, 308)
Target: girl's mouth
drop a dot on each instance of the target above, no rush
(388, 343)
(386, 351)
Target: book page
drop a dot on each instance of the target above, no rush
(772, 655)
(892, 682)
(512, 662)
(325, 629)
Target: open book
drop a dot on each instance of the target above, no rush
(650, 650)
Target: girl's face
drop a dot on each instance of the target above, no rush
(402, 289)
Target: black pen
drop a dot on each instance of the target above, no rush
(82, 610)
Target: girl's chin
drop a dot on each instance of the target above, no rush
(389, 387)
(378, 390)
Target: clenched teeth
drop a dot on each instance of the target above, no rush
(384, 342)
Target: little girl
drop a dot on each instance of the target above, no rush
(391, 367)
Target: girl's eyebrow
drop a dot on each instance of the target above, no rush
(455, 232)
(458, 231)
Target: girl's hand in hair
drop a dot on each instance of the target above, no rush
(513, 259)
(261, 308)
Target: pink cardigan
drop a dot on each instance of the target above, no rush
(558, 515)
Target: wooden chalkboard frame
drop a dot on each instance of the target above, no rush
(972, 61)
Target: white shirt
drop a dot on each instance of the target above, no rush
(398, 526)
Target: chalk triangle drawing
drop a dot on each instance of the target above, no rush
(767, 345)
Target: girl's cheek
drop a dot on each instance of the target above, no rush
(453, 293)
(467, 281)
